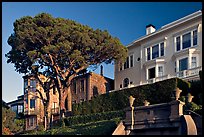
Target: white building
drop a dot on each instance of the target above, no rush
(174, 50)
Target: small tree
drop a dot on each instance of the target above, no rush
(60, 49)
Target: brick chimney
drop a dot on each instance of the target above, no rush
(101, 70)
(150, 29)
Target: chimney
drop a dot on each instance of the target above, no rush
(150, 29)
(101, 70)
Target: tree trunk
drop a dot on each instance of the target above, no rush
(69, 95)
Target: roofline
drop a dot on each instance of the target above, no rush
(168, 26)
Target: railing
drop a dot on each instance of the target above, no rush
(55, 111)
(189, 72)
(160, 78)
(30, 112)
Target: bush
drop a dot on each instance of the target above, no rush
(159, 92)
(93, 117)
(184, 86)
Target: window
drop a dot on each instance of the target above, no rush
(32, 121)
(155, 51)
(126, 82)
(160, 71)
(148, 53)
(126, 64)
(175, 66)
(178, 43)
(151, 73)
(32, 103)
(14, 108)
(186, 40)
(33, 85)
(183, 64)
(131, 61)
(195, 32)
(82, 85)
(121, 85)
(20, 108)
(54, 107)
(193, 62)
(121, 66)
(162, 49)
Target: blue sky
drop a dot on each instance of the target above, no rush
(125, 20)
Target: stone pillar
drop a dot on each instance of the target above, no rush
(176, 109)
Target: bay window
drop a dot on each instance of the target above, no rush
(186, 40)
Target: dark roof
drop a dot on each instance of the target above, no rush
(150, 26)
(4, 104)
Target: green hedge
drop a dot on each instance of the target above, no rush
(159, 92)
(80, 119)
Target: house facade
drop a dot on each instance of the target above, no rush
(17, 105)
(174, 50)
(83, 87)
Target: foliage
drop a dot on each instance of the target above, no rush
(93, 117)
(184, 86)
(60, 49)
(11, 125)
(103, 127)
(8, 120)
(196, 91)
(159, 92)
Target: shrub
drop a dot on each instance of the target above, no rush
(93, 117)
(159, 92)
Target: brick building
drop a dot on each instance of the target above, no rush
(83, 87)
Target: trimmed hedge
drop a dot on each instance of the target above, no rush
(80, 119)
(159, 92)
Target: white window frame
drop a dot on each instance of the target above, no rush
(121, 65)
(159, 43)
(181, 40)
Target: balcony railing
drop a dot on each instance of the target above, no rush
(189, 72)
(160, 78)
(30, 112)
(55, 111)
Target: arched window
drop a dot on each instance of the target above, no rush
(126, 82)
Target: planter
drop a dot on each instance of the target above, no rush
(176, 94)
(189, 98)
(146, 103)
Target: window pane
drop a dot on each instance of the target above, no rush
(194, 37)
(131, 61)
(186, 40)
(162, 49)
(33, 85)
(155, 51)
(127, 60)
(193, 62)
(178, 45)
(82, 85)
(126, 65)
(151, 73)
(32, 103)
(126, 82)
(160, 71)
(183, 64)
(148, 53)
